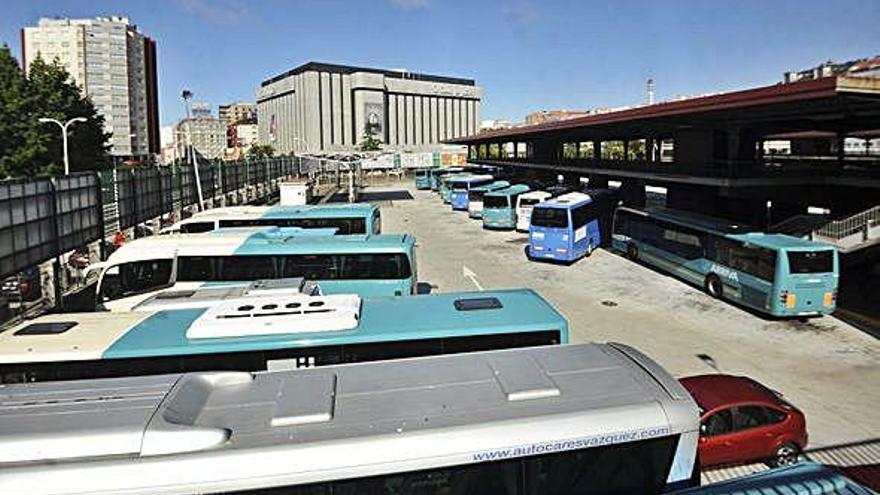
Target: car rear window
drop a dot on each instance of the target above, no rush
(811, 261)
(550, 217)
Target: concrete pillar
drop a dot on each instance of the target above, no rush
(632, 193)
(598, 181)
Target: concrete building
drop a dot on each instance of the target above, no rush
(246, 135)
(542, 116)
(208, 136)
(201, 109)
(324, 107)
(495, 124)
(234, 113)
(864, 67)
(115, 65)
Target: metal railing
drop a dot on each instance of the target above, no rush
(858, 223)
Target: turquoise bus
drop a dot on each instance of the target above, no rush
(458, 197)
(422, 177)
(499, 207)
(475, 197)
(437, 174)
(347, 219)
(275, 332)
(446, 185)
(368, 265)
(775, 274)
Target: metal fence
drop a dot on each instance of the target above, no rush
(44, 217)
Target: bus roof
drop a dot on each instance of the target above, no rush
(381, 319)
(704, 222)
(473, 178)
(781, 241)
(509, 191)
(802, 478)
(741, 232)
(536, 195)
(492, 186)
(567, 200)
(226, 431)
(266, 240)
(283, 211)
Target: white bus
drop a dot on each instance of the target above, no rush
(524, 204)
(540, 420)
(347, 219)
(367, 265)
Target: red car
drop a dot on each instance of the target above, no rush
(744, 421)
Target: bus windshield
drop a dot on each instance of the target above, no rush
(135, 278)
(550, 217)
(495, 202)
(810, 261)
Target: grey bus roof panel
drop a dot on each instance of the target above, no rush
(208, 296)
(313, 416)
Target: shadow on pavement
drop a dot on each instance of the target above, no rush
(400, 195)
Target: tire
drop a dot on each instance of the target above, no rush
(787, 454)
(714, 287)
(632, 252)
(528, 254)
(589, 250)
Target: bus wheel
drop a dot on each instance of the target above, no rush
(528, 254)
(714, 286)
(589, 249)
(632, 252)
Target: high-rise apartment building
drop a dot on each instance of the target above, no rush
(237, 113)
(207, 135)
(115, 65)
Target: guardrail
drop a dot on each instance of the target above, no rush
(858, 223)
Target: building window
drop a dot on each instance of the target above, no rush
(585, 150)
(612, 150)
(569, 151)
(636, 150)
(483, 151)
(494, 151)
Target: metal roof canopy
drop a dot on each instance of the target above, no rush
(846, 104)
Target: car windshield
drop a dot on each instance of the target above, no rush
(550, 217)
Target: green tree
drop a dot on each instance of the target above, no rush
(259, 151)
(56, 96)
(22, 144)
(370, 143)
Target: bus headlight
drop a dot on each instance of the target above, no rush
(828, 300)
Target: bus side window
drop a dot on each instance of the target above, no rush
(377, 222)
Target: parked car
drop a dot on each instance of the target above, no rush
(743, 421)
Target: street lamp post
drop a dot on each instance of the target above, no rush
(187, 95)
(64, 126)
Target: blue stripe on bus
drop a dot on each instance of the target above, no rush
(164, 333)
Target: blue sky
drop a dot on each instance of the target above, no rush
(527, 54)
